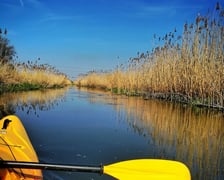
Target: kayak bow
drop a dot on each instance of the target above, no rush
(16, 146)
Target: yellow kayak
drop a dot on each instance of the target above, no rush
(16, 146)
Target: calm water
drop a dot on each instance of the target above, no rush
(93, 128)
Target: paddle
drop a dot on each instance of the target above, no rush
(126, 170)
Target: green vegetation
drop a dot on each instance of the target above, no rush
(19, 87)
(187, 68)
(16, 76)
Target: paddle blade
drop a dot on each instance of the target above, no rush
(150, 169)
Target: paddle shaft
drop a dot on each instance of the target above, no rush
(49, 166)
(143, 169)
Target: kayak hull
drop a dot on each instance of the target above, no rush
(15, 145)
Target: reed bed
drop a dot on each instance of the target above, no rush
(28, 76)
(188, 68)
(42, 74)
(7, 74)
(91, 79)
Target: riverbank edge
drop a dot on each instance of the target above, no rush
(171, 97)
(4, 88)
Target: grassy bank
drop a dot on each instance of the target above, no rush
(187, 68)
(30, 76)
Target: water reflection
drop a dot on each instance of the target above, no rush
(191, 135)
(30, 102)
(194, 136)
(172, 131)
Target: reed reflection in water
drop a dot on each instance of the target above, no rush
(172, 131)
(31, 101)
(192, 135)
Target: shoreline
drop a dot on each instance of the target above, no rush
(169, 97)
(7, 88)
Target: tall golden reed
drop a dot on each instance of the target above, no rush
(43, 75)
(7, 74)
(187, 68)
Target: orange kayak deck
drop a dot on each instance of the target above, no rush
(16, 146)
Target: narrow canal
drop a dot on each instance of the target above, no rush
(90, 127)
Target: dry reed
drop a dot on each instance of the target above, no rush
(188, 68)
(8, 74)
(30, 76)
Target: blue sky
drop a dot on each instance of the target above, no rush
(76, 36)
